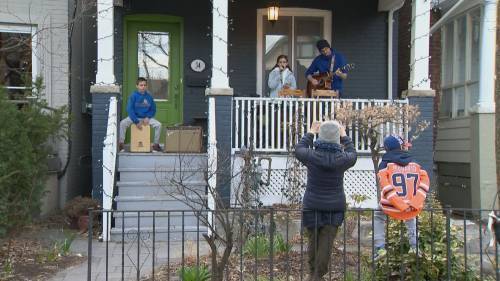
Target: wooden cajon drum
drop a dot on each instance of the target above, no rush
(140, 140)
(324, 94)
(285, 93)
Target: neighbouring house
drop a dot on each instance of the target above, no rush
(34, 43)
(465, 154)
(208, 64)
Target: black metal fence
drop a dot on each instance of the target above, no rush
(274, 244)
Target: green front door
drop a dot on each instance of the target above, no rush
(152, 49)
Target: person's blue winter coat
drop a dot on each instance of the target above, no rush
(325, 180)
(140, 106)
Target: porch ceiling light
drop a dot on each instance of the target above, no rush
(273, 12)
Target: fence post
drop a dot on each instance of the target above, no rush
(89, 251)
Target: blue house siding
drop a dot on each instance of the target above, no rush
(422, 149)
(223, 125)
(359, 31)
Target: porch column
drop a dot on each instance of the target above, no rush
(220, 98)
(419, 91)
(483, 162)
(486, 101)
(220, 43)
(105, 41)
(105, 87)
(419, 63)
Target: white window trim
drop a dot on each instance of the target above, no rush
(293, 12)
(468, 63)
(26, 29)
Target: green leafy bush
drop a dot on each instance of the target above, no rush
(432, 259)
(194, 273)
(259, 246)
(24, 149)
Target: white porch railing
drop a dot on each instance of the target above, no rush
(276, 124)
(109, 165)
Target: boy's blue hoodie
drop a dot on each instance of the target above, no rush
(140, 106)
(398, 156)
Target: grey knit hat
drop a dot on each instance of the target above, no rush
(329, 132)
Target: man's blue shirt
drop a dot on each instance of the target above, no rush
(321, 64)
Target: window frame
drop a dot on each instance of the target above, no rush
(455, 84)
(290, 12)
(24, 29)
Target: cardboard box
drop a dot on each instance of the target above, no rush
(140, 140)
(183, 139)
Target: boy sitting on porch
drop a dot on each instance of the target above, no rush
(141, 110)
(403, 189)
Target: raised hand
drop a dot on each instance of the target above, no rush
(315, 127)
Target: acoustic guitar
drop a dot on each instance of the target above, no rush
(325, 80)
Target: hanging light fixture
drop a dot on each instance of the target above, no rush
(273, 12)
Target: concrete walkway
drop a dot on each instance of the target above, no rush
(135, 263)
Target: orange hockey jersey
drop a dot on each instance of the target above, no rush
(403, 187)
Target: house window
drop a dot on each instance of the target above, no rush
(460, 64)
(295, 35)
(17, 61)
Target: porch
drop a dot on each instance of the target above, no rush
(236, 119)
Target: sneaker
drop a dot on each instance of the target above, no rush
(121, 147)
(380, 253)
(156, 147)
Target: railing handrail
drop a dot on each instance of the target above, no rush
(109, 153)
(403, 101)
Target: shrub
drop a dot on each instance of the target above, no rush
(432, 241)
(79, 206)
(24, 149)
(259, 246)
(194, 273)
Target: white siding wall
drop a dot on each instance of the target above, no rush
(50, 18)
(453, 141)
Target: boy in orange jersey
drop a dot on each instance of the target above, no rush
(403, 189)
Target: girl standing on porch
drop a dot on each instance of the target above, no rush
(281, 77)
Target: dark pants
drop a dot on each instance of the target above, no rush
(320, 250)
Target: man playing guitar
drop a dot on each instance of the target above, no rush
(331, 62)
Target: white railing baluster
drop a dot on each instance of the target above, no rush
(273, 119)
(267, 124)
(249, 122)
(320, 116)
(254, 113)
(278, 125)
(237, 119)
(285, 125)
(261, 121)
(242, 130)
(362, 141)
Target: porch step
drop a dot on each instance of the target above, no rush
(161, 219)
(156, 188)
(172, 234)
(178, 161)
(160, 174)
(160, 182)
(162, 202)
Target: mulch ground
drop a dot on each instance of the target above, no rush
(31, 255)
(291, 266)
